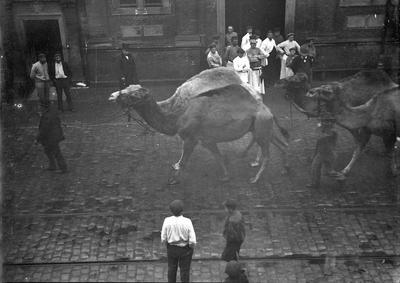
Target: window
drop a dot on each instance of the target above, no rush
(365, 21)
(347, 3)
(153, 3)
(127, 3)
(141, 7)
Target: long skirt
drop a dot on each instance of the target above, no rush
(255, 80)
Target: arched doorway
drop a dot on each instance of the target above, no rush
(261, 14)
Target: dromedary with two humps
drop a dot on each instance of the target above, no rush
(366, 103)
(218, 115)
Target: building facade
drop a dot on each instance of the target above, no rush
(168, 37)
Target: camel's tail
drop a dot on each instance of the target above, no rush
(284, 131)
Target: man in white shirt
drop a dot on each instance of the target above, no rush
(246, 38)
(268, 47)
(284, 49)
(179, 236)
(242, 66)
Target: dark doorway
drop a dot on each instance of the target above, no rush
(261, 14)
(42, 36)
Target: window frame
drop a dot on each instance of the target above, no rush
(361, 3)
(141, 9)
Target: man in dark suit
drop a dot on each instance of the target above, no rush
(126, 68)
(61, 75)
(50, 134)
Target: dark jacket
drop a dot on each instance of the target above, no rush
(235, 272)
(50, 131)
(127, 69)
(66, 68)
(302, 65)
(234, 229)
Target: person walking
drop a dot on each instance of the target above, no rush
(178, 235)
(126, 68)
(61, 75)
(50, 135)
(234, 231)
(40, 73)
(231, 53)
(268, 47)
(325, 156)
(284, 49)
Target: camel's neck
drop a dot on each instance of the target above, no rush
(356, 117)
(156, 118)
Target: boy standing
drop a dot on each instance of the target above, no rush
(234, 231)
(325, 155)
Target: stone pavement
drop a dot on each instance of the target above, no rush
(102, 220)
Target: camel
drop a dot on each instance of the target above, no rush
(337, 98)
(214, 116)
(204, 81)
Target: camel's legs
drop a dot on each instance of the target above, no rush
(361, 138)
(188, 147)
(391, 153)
(176, 165)
(266, 157)
(218, 156)
(282, 146)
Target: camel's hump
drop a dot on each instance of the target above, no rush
(229, 91)
(202, 82)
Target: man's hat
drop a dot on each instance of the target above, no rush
(303, 50)
(125, 46)
(270, 31)
(216, 36)
(249, 27)
(57, 54)
(40, 55)
(290, 34)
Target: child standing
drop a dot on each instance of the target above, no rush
(234, 231)
(325, 155)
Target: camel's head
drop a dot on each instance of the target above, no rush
(132, 96)
(326, 98)
(297, 87)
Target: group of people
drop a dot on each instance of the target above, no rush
(261, 62)
(178, 235)
(59, 74)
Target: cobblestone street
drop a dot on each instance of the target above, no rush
(101, 221)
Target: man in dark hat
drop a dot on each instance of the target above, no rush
(126, 68)
(40, 73)
(50, 135)
(61, 75)
(179, 236)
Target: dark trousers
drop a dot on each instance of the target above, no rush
(60, 85)
(54, 154)
(181, 256)
(231, 251)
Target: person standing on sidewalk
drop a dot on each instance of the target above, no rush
(50, 135)
(178, 235)
(40, 73)
(126, 68)
(234, 231)
(61, 75)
